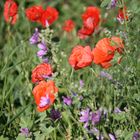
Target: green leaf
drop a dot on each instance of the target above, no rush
(2, 138)
(20, 137)
(105, 3)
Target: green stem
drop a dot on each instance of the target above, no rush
(16, 116)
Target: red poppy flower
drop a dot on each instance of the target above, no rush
(80, 57)
(40, 72)
(118, 43)
(49, 16)
(91, 19)
(10, 11)
(84, 32)
(105, 49)
(45, 94)
(122, 15)
(34, 13)
(68, 25)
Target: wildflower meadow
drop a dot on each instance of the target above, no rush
(69, 70)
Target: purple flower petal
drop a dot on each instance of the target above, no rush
(55, 114)
(45, 60)
(85, 115)
(113, 3)
(136, 136)
(42, 46)
(95, 117)
(41, 53)
(67, 100)
(35, 37)
(44, 101)
(112, 137)
(24, 131)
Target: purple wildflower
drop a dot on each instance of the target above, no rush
(45, 60)
(55, 114)
(42, 46)
(81, 83)
(67, 100)
(112, 137)
(112, 4)
(117, 110)
(41, 53)
(85, 117)
(136, 136)
(106, 75)
(95, 117)
(35, 37)
(44, 101)
(25, 132)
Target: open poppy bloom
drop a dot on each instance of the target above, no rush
(84, 32)
(68, 25)
(105, 50)
(40, 72)
(10, 11)
(45, 94)
(91, 19)
(34, 13)
(122, 15)
(38, 14)
(80, 57)
(49, 16)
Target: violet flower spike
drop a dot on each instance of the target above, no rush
(85, 117)
(113, 3)
(112, 137)
(136, 136)
(41, 53)
(35, 37)
(45, 60)
(67, 100)
(55, 114)
(44, 101)
(95, 117)
(42, 46)
(25, 132)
